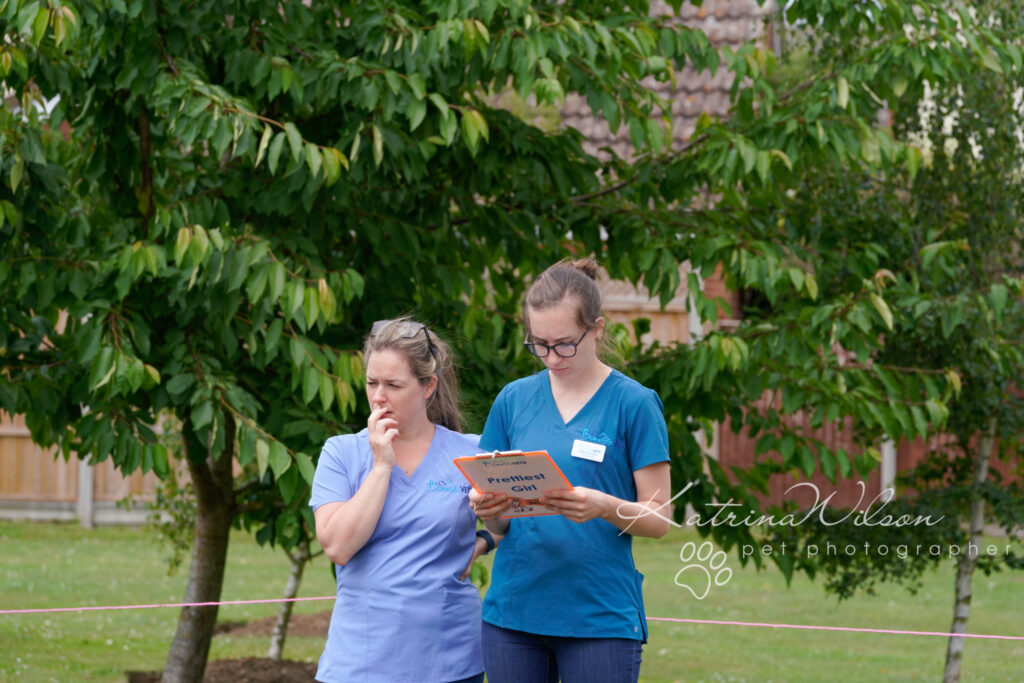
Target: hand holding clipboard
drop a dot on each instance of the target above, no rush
(521, 476)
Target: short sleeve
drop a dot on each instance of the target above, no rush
(648, 434)
(336, 472)
(495, 434)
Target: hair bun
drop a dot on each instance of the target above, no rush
(587, 266)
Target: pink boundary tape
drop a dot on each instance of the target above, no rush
(836, 628)
(805, 627)
(169, 604)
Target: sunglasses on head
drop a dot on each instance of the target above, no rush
(406, 329)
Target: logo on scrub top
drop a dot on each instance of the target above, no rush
(447, 486)
(601, 438)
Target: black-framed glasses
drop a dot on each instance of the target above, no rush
(407, 329)
(561, 349)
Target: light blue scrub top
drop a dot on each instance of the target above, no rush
(552, 576)
(402, 614)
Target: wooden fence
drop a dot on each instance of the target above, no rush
(36, 483)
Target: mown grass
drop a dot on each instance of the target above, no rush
(706, 652)
(61, 565)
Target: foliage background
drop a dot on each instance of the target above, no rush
(226, 196)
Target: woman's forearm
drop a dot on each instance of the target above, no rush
(498, 527)
(642, 518)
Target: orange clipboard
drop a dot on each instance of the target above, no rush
(523, 476)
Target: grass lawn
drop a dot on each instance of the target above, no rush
(707, 652)
(61, 565)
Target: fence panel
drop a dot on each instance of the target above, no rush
(38, 480)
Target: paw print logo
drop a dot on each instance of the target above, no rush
(707, 569)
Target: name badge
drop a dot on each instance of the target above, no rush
(588, 450)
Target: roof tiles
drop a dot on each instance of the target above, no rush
(725, 22)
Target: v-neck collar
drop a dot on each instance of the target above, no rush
(423, 461)
(550, 394)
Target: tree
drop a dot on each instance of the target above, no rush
(970, 195)
(224, 198)
(950, 230)
(226, 195)
(828, 296)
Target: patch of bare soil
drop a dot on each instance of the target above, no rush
(249, 670)
(299, 626)
(255, 669)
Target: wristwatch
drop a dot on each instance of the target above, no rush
(486, 535)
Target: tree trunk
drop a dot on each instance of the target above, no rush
(284, 614)
(214, 488)
(969, 557)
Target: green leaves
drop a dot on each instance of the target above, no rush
(262, 452)
(378, 144)
(40, 23)
(294, 140)
(192, 245)
(842, 92)
(313, 159)
(102, 368)
(476, 36)
(883, 309)
(276, 148)
(416, 112)
(278, 458)
(474, 128)
(418, 86)
(997, 296)
(333, 161)
(989, 59)
(113, 373)
(17, 172)
(264, 141)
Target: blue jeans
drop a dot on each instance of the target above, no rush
(518, 657)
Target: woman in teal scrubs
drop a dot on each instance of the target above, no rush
(392, 513)
(565, 600)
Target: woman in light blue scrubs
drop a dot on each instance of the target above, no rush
(392, 513)
(565, 600)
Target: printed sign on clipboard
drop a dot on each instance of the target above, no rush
(522, 476)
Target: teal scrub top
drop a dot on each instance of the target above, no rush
(552, 576)
(401, 613)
